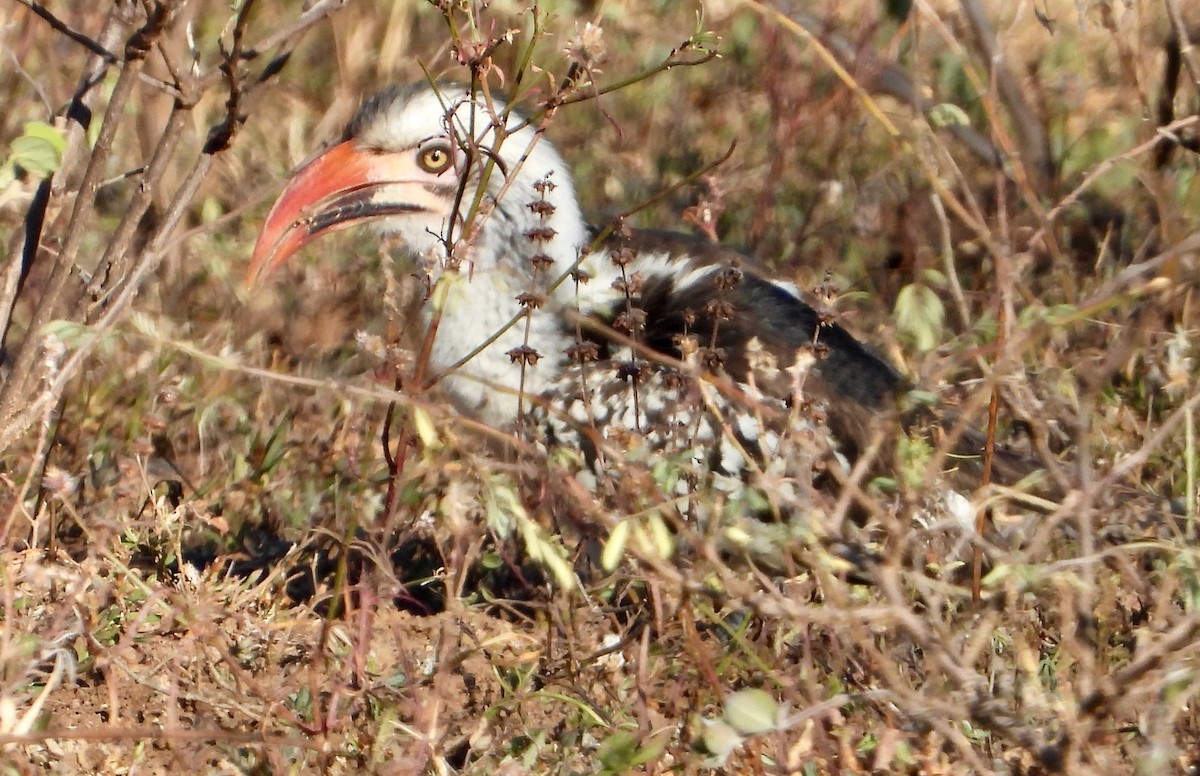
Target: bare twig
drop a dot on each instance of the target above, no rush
(24, 246)
(65, 29)
(19, 385)
(113, 271)
(1035, 144)
(887, 78)
(1186, 48)
(126, 733)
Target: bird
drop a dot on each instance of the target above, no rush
(611, 341)
(583, 336)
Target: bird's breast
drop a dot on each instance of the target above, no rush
(480, 324)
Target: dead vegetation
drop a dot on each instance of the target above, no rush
(231, 546)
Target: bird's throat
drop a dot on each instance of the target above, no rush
(492, 351)
(501, 338)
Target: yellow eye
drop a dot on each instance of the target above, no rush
(435, 159)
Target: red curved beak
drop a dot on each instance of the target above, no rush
(311, 205)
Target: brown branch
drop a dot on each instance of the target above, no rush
(1184, 40)
(115, 280)
(20, 384)
(222, 135)
(887, 78)
(24, 245)
(114, 263)
(168, 734)
(1035, 144)
(1116, 685)
(66, 30)
(97, 48)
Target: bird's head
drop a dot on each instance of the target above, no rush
(427, 163)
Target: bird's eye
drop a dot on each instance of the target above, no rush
(434, 158)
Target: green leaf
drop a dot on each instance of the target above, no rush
(660, 534)
(948, 114)
(883, 485)
(653, 537)
(720, 739)
(920, 398)
(614, 548)
(920, 316)
(915, 453)
(622, 752)
(70, 333)
(211, 209)
(48, 133)
(617, 751)
(426, 429)
(543, 550)
(933, 277)
(265, 454)
(8, 175)
(147, 325)
(756, 501)
(751, 711)
(40, 150)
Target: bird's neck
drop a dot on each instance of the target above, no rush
(502, 302)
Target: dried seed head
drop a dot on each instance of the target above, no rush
(154, 422)
(583, 352)
(524, 355)
(542, 208)
(586, 46)
(687, 345)
(630, 321)
(630, 286)
(760, 360)
(632, 370)
(673, 380)
(729, 278)
(712, 358)
(827, 291)
(531, 300)
(168, 395)
(59, 482)
(720, 309)
(622, 257)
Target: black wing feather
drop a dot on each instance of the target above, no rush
(727, 313)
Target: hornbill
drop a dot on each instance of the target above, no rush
(581, 336)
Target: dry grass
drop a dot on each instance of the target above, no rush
(209, 565)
